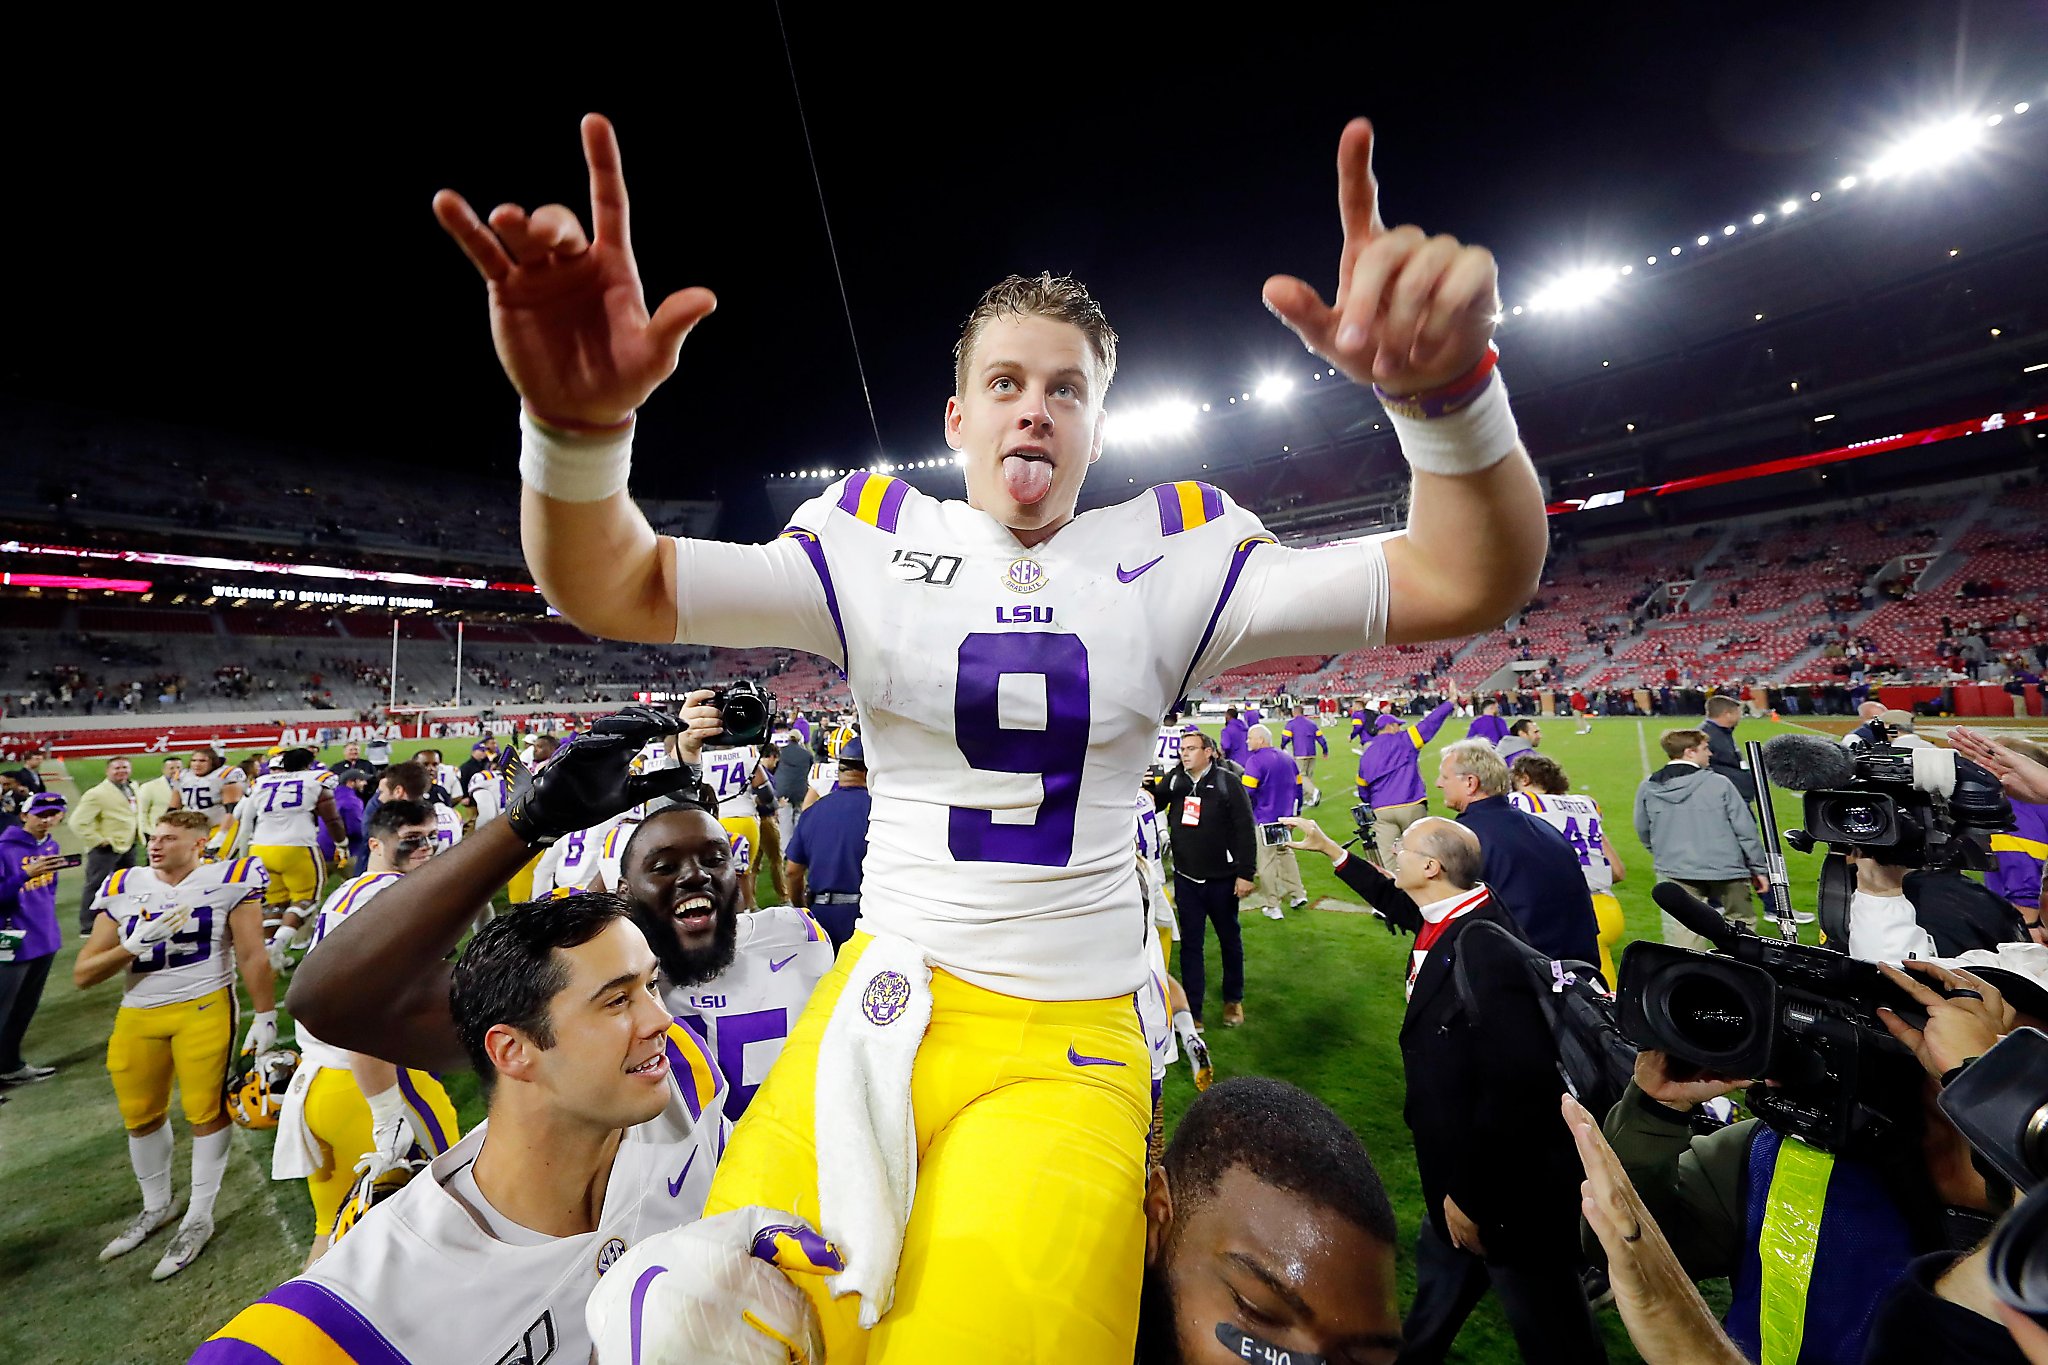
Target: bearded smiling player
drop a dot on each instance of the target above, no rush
(1000, 899)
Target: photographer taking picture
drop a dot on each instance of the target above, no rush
(1813, 1240)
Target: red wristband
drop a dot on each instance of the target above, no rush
(1445, 399)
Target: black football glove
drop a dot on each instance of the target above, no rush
(590, 778)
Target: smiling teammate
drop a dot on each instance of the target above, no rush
(1007, 718)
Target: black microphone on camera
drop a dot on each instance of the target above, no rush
(1804, 763)
(1694, 913)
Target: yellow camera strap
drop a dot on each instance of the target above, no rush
(1785, 1250)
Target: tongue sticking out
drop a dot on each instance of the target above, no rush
(1026, 479)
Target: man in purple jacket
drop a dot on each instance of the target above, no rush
(1231, 742)
(2021, 855)
(1273, 784)
(1304, 739)
(29, 938)
(1488, 725)
(1390, 774)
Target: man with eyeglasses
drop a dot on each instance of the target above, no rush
(346, 1106)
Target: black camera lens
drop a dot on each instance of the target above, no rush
(1857, 819)
(2019, 1257)
(1708, 1013)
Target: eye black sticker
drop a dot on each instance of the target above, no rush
(1246, 1347)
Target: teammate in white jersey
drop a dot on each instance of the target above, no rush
(1010, 660)
(1166, 747)
(167, 929)
(284, 808)
(603, 1128)
(733, 772)
(344, 1107)
(212, 788)
(1542, 789)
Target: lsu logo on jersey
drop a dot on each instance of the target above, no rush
(885, 998)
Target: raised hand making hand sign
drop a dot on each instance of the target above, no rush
(1413, 312)
(567, 312)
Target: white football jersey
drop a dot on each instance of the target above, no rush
(574, 861)
(730, 775)
(448, 778)
(1152, 862)
(193, 962)
(745, 1013)
(487, 792)
(1578, 819)
(204, 794)
(1155, 1010)
(281, 805)
(824, 776)
(611, 852)
(351, 895)
(419, 1278)
(1009, 697)
(1166, 748)
(447, 827)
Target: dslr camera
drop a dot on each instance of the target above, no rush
(744, 712)
(1802, 1016)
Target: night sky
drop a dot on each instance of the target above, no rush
(231, 231)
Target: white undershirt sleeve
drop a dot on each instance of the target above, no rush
(754, 596)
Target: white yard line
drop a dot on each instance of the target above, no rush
(1643, 746)
(247, 1142)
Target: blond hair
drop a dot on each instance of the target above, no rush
(1676, 743)
(190, 821)
(1061, 298)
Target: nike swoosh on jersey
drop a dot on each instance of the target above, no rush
(675, 1187)
(778, 966)
(1082, 1058)
(1124, 575)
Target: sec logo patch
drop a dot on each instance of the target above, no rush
(608, 1254)
(1024, 575)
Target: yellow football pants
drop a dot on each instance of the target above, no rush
(520, 888)
(1608, 911)
(1026, 1237)
(191, 1040)
(296, 874)
(340, 1119)
(745, 832)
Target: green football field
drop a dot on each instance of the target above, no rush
(1323, 1006)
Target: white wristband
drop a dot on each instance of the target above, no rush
(572, 467)
(1477, 436)
(387, 1107)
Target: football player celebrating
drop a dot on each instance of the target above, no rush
(214, 789)
(605, 1115)
(733, 772)
(1006, 720)
(344, 1106)
(167, 929)
(1543, 790)
(285, 806)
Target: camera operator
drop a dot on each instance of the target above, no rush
(1900, 912)
(1746, 1202)
(1215, 854)
(1498, 1168)
(1944, 1307)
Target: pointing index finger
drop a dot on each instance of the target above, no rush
(608, 214)
(1358, 194)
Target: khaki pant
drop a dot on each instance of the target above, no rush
(1389, 823)
(1310, 793)
(1279, 879)
(1738, 906)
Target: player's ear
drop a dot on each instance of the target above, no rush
(954, 412)
(512, 1053)
(1158, 1214)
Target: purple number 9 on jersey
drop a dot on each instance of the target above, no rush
(1056, 753)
